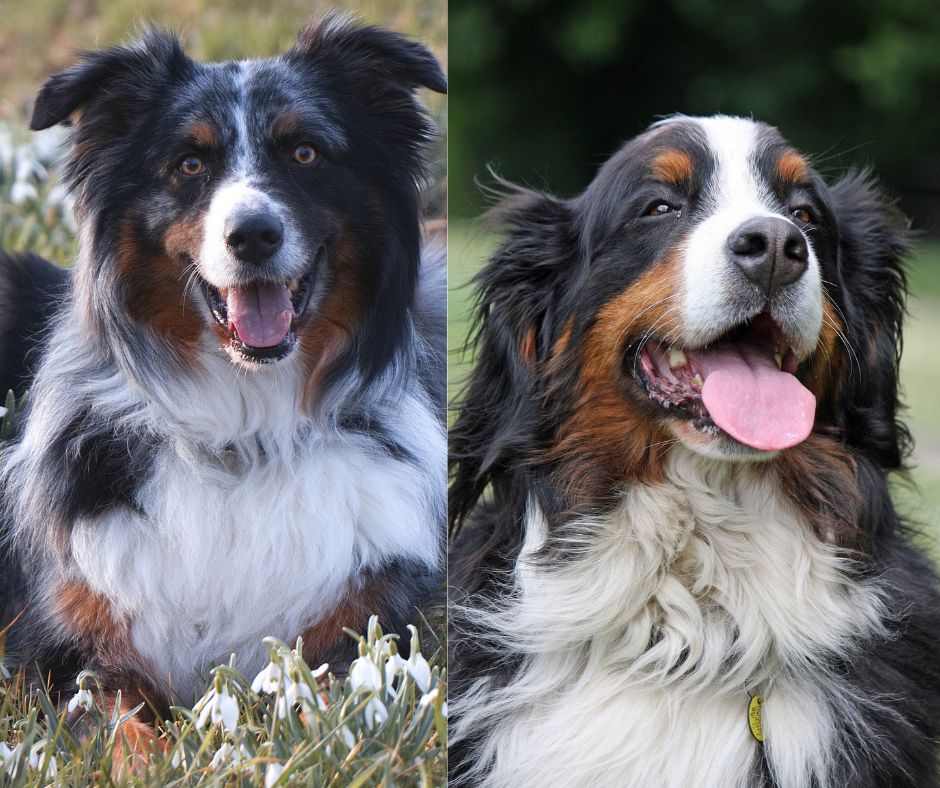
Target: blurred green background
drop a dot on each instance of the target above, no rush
(546, 90)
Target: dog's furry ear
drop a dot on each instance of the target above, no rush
(873, 241)
(104, 77)
(514, 326)
(379, 55)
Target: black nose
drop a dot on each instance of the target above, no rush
(771, 252)
(254, 237)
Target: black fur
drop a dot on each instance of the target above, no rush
(31, 292)
(547, 273)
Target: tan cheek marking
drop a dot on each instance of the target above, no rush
(608, 438)
(673, 166)
(792, 167)
(830, 363)
(156, 290)
(331, 328)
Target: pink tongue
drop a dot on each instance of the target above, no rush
(752, 400)
(261, 313)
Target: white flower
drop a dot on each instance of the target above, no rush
(375, 713)
(6, 756)
(420, 670)
(3, 668)
(348, 736)
(81, 698)
(428, 698)
(23, 191)
(394, 666)
(40, 758)
(268, 680)
(272, 773)
(219, 706)
(294, 692)
(226, 754)
(178, 758)
(363, 672)
(321, 670)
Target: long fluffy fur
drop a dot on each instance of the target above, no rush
(164, 507)
(610, 631)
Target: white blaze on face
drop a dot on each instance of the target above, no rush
(240, 194)
(716, 295)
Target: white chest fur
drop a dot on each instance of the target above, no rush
(641, 645)
(227, 553)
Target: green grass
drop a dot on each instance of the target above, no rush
(385, 725)
(469, 246)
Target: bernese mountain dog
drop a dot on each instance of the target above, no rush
(676, 560)
(235, 416)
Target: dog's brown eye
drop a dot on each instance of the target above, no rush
(801, 215)
(305, 154)
(192, 165)
(661, 208)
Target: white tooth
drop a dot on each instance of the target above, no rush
(697, 380)
(677, 358)
(293, 284)
(779, 359)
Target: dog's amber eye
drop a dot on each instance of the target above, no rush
(305, 154)
(661, 208)
(192, 165)
(802, 215)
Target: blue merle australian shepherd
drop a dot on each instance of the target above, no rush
(678, 562)
(235, 413)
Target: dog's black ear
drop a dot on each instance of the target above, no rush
(378, 55)
(515, 324)
(113, 75)
(873, 242)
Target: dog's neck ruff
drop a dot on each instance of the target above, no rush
(642, 632)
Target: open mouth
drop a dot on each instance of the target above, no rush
(260, 317)
(744, 384)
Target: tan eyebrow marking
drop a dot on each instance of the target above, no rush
(286, 124)
(673, 166)
(203, 134)
(792, 167)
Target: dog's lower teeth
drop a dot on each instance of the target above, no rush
(293, 284)
(779, 359)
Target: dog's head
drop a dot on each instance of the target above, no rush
(267, 205)
(709, 289)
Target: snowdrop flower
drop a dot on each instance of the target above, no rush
(178, 758)
(418, 666)
(219, 706)
(7, 757)
(268, 680)
(294, 692)
(444, 709)
(226, 754)
(81, 698)
(428, 698)
(4, 673)
(272, 773)
(23, 191)
(375, 713)
(394, 666)
(40, 758)
(348, 736)
(363, 672)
